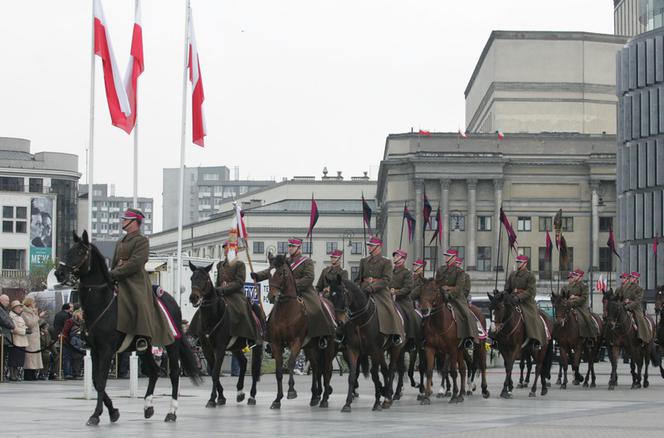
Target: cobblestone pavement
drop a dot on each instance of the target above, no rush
(41, 408)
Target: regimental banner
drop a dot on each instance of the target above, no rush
(42, 227)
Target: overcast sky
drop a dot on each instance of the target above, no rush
(291, 86)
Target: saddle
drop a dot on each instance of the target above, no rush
(329, 308)
(546, 327)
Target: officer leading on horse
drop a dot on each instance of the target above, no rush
(577, 298)
(401, 286)
(632, 296)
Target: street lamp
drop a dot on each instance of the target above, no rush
(347, 235)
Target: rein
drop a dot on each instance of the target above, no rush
(211, 302)
(518, 323)
(356, 315)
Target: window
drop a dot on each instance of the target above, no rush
(354, 272)
(457, 222)
(570, 261)
(461, 250)
(13, 259)
(483, 223)
(21, 212)
(524, 224)
(7, 226)
(36, 185)
(430, 256)
(483, 258)
(8, 212)
(568, 224)
(524, 250)
(11, 184)
(605, 259)
(306, 248)
(14, 219)
(356, 247)
(330, 246)
(259, 247)
(211, 177)
(605, 224)
(544, 264)
(96, 193)
(545, 223)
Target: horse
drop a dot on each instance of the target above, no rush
(566, 333)
(287, 327)
(659, 338)
(510, 334)
(84, 263)
(362, 338)
(621, 333)
(216, 338)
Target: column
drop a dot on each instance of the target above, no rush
(498, 197)
(471, 225)
(594, 224)
(445, 211)
(419, 219)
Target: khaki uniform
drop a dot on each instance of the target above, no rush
(230, 281)
(578, 293)
(402, 283)
(525, 280)
(453, 278)
(634, 293)
(418, 281)
(380, 269)
(138, 313)
(466, 285)
(328, 274)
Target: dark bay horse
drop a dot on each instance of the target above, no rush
(85, 264)
(362, 338)
(215, 337)
(287, 327)
(659, 337)
(510, 334)
(566, 333)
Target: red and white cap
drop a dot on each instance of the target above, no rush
(375, 241)
(451, 253)
(579, 273)
(400, 253)
(624, 275)
(522, 259)
(419, 263)
(133, 213)
(459, 262)
(294, 242)
(571, 274)
(336, 253)
(635, 275)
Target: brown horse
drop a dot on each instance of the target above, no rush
(510, 335)
(566, 333)
(287, 326)
(621, 333)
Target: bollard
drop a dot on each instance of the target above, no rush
(87, 376)
(133, 375)
(60, 377)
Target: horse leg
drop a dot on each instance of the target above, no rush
(481, 351)
(638, 358)
(378, 389)
(564, 362)
(412, 361)
(522, 365)
(295, 348)
(615, 354)
(401, 370)
(221, 355)
(240, 380)
(256, 362)
(277, 354)
(430, 355)
(99, 382)
(351, 358)
(646, 359)
(576, 364)
(173, 352)
(328, 357)
(150, 369)
(560, 373)
(461, 364)
(395, 354)
(316, 375)
(539, 360)
(508, 357)
(591, 363)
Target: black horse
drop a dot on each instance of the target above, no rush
(85, 264)
(216, 337)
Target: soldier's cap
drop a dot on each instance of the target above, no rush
(624, 275)
(225, 244)
(571, 274)
(459, 261)
(419, 263)
(635, 275)
(451, 253)
(521, 258)
(294, 242)
(336, 253)
(579, 273)
(133, 213)
(400, 253)
(375, 241)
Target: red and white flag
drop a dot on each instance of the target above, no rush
(238, 223)
(197, 97)
(425, 133)
(500, 135)
(601, 285)
(116, 95)
(134, 68)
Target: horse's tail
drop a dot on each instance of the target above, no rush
(655, 355)
(188, 361)
(363, 362)
(256, 361)
(548, 361)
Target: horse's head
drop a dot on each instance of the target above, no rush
(614, 310)
(76, 262)
(339, 296)
(430, 298)
(201, 284)
(561, 309)
(282, 282)
(659, 299)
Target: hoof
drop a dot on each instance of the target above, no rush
(93, 421)
(486, 394)
(646, 384)
(221, 401)
(276, 405)
(585, 385)
(563, 386)
(545, 391)
(420, 396)
(505, 395)
(636, 385)
(469, 392)
(593, 385)
(397, 396)
(460, 398)
(149, 412)
(377, 407)
(439, 395)
(291, 395)
(425, 401)
(447, 394)
(209, 404)
(531, 394)
(314, 402)
(611, 387)
(324, 404)
(521, 385)
(576, 383)
(240, 397)
(346, 408)
(548, 384)
(356, 394)
(453, 399)
(251, 401)
(170, 418)
(114, 414)
(387, 404)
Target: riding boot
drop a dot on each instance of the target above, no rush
(535, 345)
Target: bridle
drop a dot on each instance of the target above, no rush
(437, 308)
(208, 302)
(280, 296)
(500, 325)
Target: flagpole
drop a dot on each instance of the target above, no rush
(500, 234)
(91, 134)
(178, 275)
(136, 163)
(507, 265)
(403, 219)
(364, 230)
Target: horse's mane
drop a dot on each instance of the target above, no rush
(102, 263)
(278, 261)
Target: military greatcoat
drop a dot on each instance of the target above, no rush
(138, 313)
(230, 281)
(578, 293)
(380, 269)
(634, 293)
(453, 278)
(328, 274)
(525, 282)
(402, 283)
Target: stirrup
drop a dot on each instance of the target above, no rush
(141, 344)
(323, 343)
(397, 339)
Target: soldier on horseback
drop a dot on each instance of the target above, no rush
(418, 279)
(466, 278)
(400, 287)
(632, 296)
(522, 285)
(330, 273)
(452, 280)
(138, 312)
(374, 279)
(577, 298)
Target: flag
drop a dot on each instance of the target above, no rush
(500, 135)
(601, 284)
(313, 216)
(564, 256)
(238, 223)
(426, 211)
(134, 69)
(462, 134)
(197, 97)
(366, 214)
(425, 133)
(611, 243)
(411, 223)
(549, 246)
(116, 95)
(511, 235)
(439, 228)
(654, 245)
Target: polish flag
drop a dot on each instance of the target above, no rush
(134, 68)
(238, 223)
(425, 133)
(500, 135)
(462, 134)
(197, 97)
(116, 95)
(601, 284)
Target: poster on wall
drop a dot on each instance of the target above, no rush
(41, 231)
